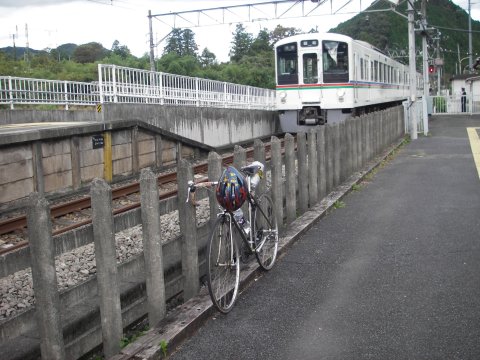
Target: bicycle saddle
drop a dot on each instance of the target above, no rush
(252, 168)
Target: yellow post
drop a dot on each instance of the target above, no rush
(107, 156)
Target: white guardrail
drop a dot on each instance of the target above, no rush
(117, 84)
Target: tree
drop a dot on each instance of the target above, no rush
(241, 43)
(207, 58)
(121, 50)
(174, 42)
(189, 46)
(281, 32)
(181, 42)
(89, 53)
(261, 43)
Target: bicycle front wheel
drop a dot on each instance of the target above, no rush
(223, 270)
(266, 232)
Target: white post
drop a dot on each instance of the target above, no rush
(413, 71)
(426, 82)
(10, 92)
(100, 83)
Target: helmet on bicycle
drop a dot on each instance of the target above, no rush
(231, 190)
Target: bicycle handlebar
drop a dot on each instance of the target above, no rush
(192, 186)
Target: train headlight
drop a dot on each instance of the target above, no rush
(340, 94)
(283, 96)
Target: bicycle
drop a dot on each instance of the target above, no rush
(261, 239)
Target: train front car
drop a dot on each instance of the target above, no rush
(313, 80)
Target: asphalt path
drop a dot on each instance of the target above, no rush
(394, 274)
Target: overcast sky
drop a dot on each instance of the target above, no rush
(55, 22)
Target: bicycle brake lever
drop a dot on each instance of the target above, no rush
(190, 189)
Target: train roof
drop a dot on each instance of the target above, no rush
(299, 37)
(329, 36)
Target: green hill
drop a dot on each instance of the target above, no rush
(389, 31)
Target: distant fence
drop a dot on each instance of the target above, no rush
(453, 104)
(117, 84)
(25, 91)
(325, 156)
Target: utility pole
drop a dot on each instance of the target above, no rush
(152, 47)
(426, 82)
(413, 70)
(470, 51)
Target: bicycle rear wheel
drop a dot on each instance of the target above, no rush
(223, 265)
(266, 232)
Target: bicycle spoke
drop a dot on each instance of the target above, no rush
(266, 232)
(223, 265)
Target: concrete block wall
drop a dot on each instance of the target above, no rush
(57, 165)
(16, 172)
(91, 160)
(62, 163)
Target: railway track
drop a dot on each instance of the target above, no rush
(75, 213)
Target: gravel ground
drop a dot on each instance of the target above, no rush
(74, 267)
(77, 266)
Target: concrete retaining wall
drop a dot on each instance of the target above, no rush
(56, 161)
(214, 127)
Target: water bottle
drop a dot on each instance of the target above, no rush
(240, 219)
(254, 181)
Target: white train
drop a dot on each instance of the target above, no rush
(329, 77)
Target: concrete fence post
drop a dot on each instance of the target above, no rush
(321, 177)
(44, 276)
(239, 157)
(152, 246)
(312, 168)
(344, 151)
(329, 160)
(302, 172)
(214, 173)
(188, 229)
(105, 258)
(277, 178)
(259, 155)
(290, 179)
(337, 153)
(353, 148)
(358, 129)
(240, 160)
(368, 143)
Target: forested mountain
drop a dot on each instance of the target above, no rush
(388, 31)
(251, 55)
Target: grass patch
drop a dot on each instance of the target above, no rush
(356, 187)
(339, 204)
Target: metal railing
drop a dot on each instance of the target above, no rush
(17, 90)
(126, 85)
(117, 84)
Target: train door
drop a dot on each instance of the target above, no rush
(355, 77)
(312, 93)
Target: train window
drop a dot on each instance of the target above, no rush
(309, 43)
(287, 64)
(335, 61)
(375, 70)
(310, 69)
(362, 70)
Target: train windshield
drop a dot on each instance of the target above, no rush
(335, 61)
(310, 69)
(287, 72)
